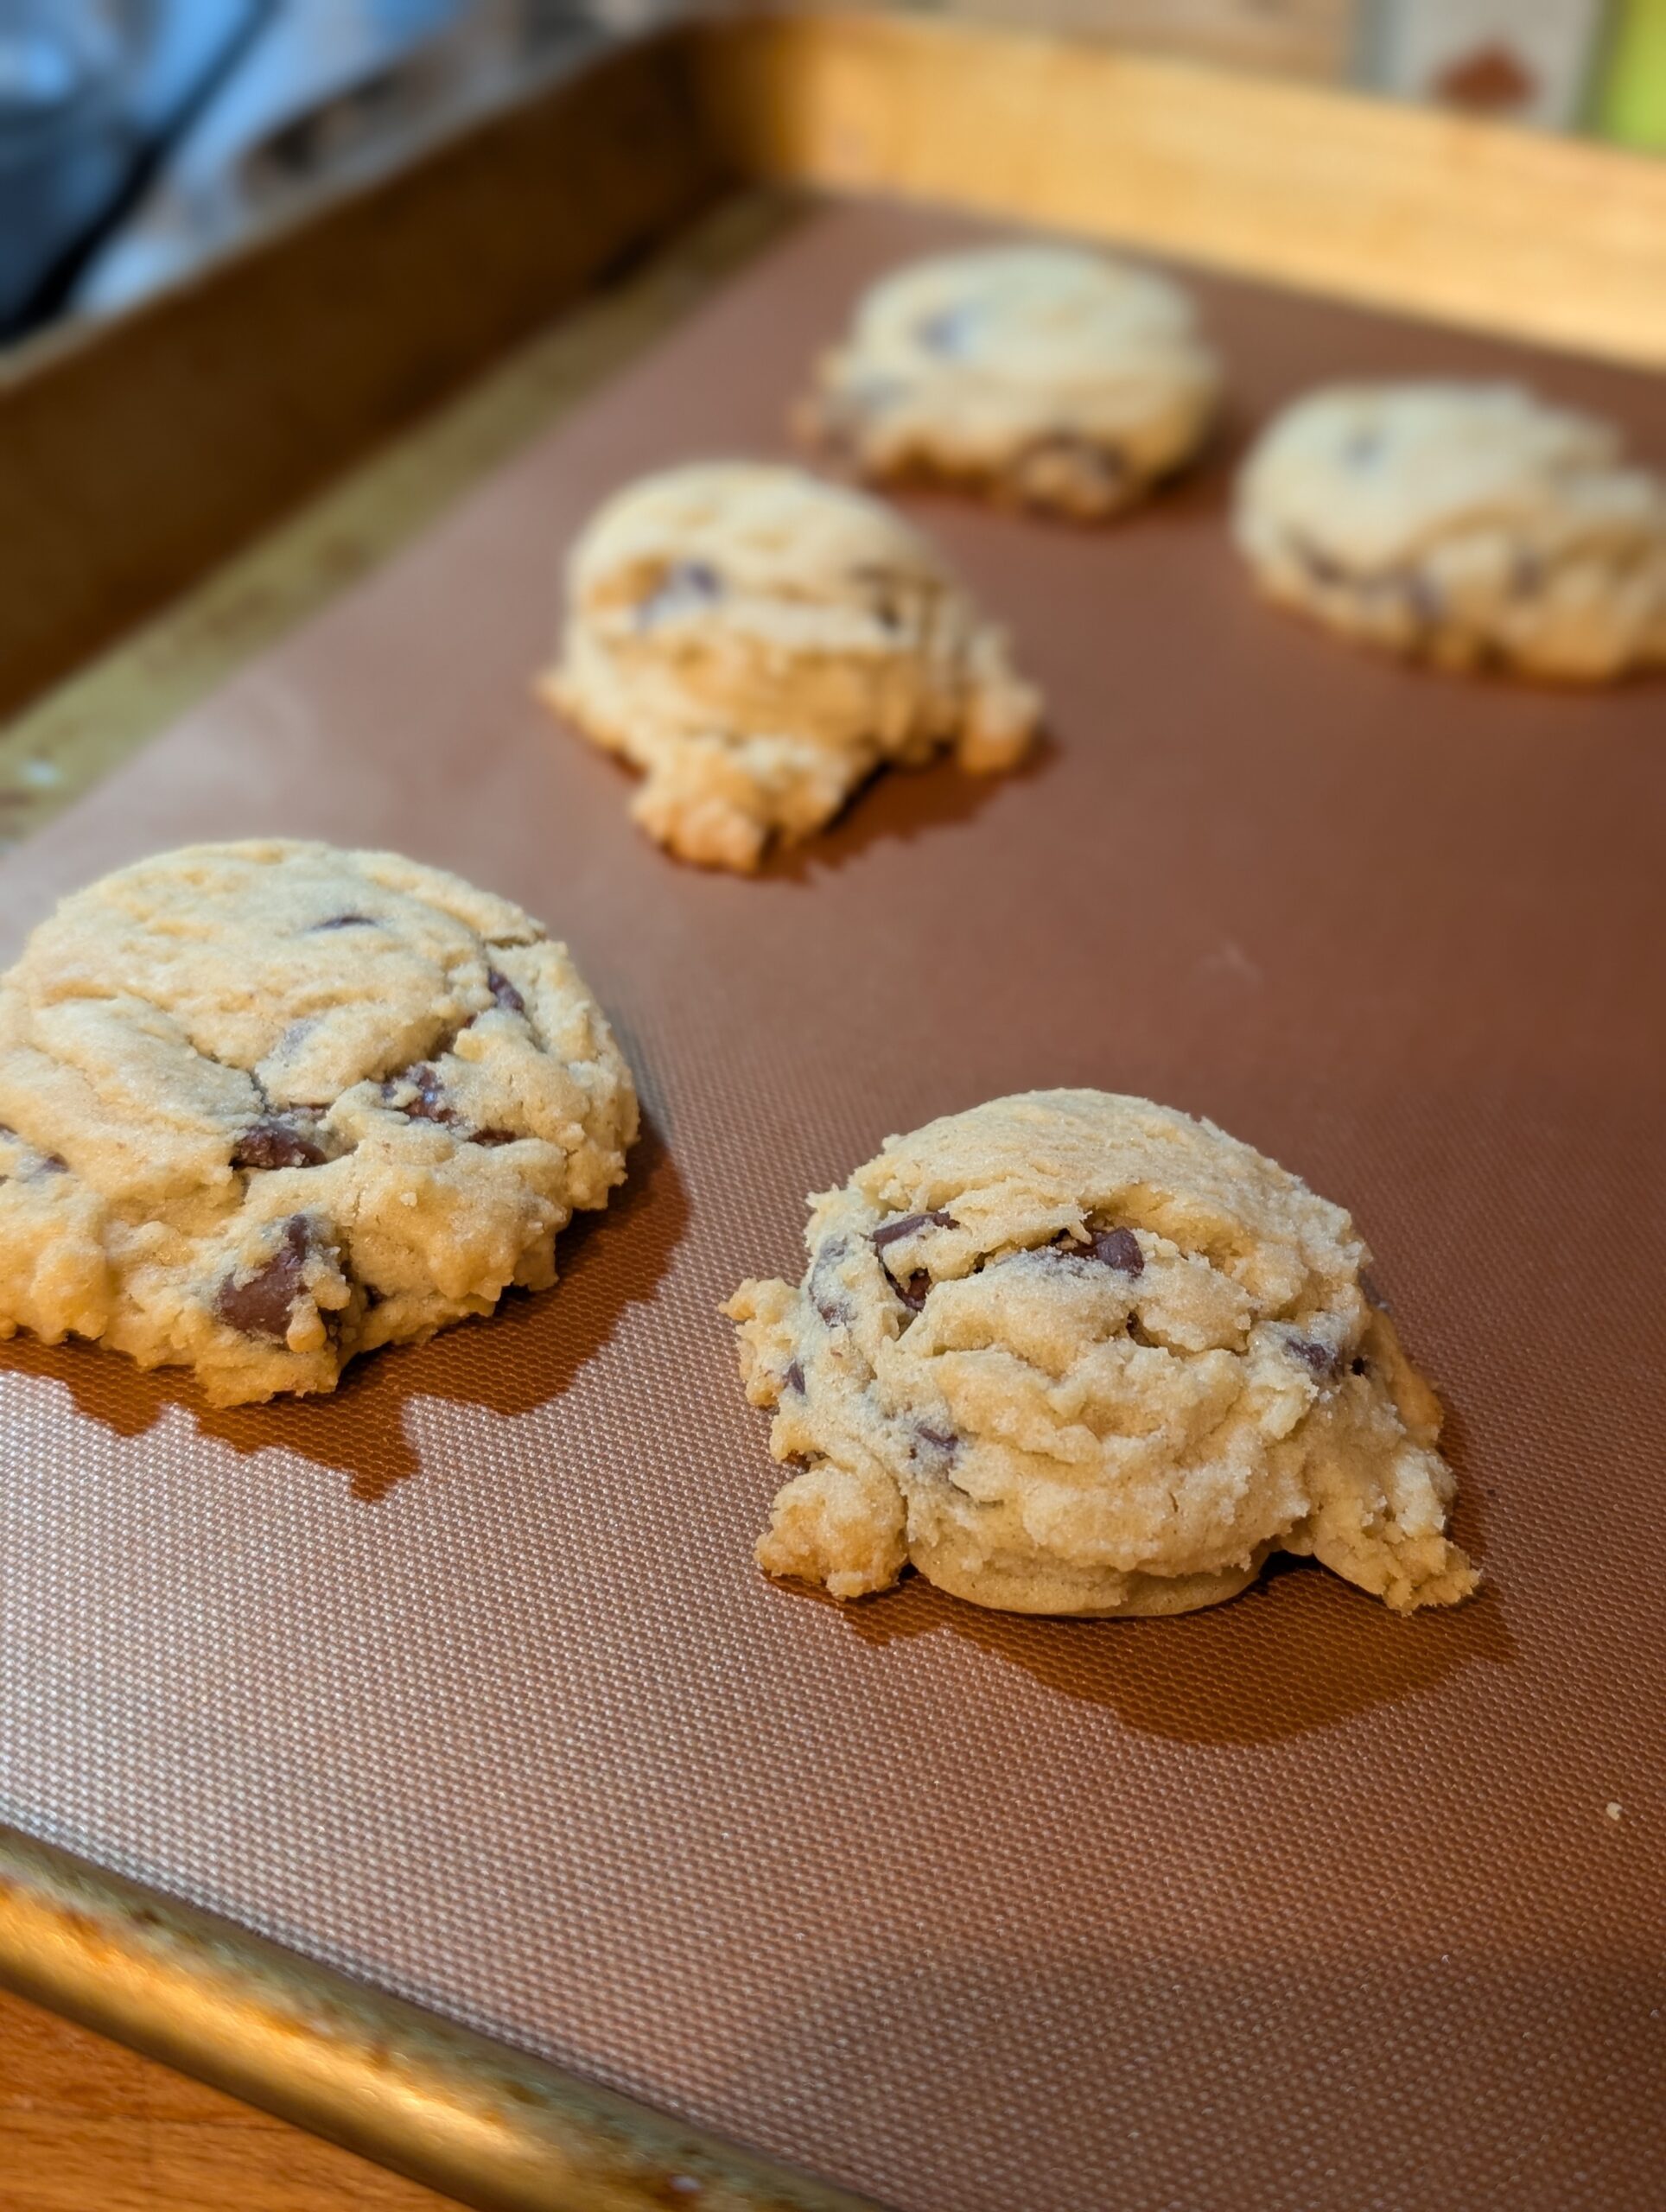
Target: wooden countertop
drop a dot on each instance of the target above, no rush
(84, 2123)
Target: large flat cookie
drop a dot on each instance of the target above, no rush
(270, 1105)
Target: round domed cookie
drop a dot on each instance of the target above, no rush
(1076, 1353)
(1047, 377)
(270, 1105)
(1465, 523)
(759, 643)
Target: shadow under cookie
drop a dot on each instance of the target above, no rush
(522, 1356)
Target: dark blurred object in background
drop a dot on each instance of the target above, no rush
(139, 136)
(91, 93)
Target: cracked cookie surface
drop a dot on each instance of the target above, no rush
(758, 644)
(1071, 1352)
(1045, 376)
(1466, 524)
(270, 1105)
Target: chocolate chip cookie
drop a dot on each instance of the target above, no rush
(1076, 1353)
(1044, 377)
(1466, 524)
(759, 643)
(270, 1105)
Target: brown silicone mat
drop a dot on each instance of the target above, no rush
(464, 1682)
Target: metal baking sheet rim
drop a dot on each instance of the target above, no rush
(467, 2115)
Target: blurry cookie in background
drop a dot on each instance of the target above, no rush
(270, 1105)
(1070, 1352)
(758, 643)
(1469, 524)
(1049, 378)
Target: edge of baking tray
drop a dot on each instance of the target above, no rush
(470, 2117)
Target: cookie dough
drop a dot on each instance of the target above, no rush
(270, 1105)
(1462, 524)
(760, 643)
(1045, 376)
(1076, 1353)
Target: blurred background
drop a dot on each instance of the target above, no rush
(139, 138)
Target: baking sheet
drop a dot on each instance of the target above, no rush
(464, 1680)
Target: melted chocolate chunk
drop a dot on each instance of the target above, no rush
(1111, 1248)
(347, 921)
(1118, 1249)
(915, 1292)
(891, 1230)
(505, 992)
(1319, 1358)
(277, 1141)
(886, 592)
(262, 1305)
(794, 1378)
(685, 588)
(431, 1103)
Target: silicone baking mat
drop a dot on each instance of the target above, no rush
(464, 1680)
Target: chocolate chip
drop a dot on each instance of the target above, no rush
(891, 1230)
(1036, 465)
(794, 1378)
(683, 588)
(1526, 575)
(1118, 1249)
(949, 331)
(1359, 1367)
(53, 1163)
(505, 992)
(275, 1141)
(886, 592)
(913, 1293)
(1111, 1248)
(1319, 565)
(262, 1305)
(431, 1103)
(832, 1307)
(1319, 1358)
(940, 1439)
(1426, 601)
(347, 922)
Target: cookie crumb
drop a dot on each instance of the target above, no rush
(1614, 1810)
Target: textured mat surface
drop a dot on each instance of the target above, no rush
(464, 1680)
